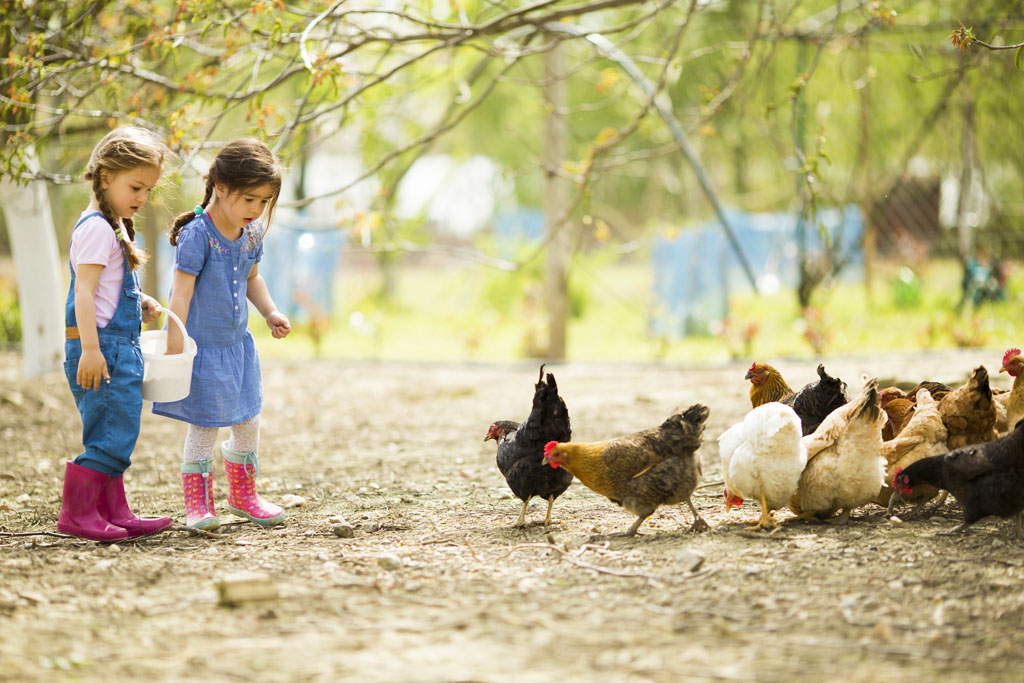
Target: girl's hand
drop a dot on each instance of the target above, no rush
(279, 325)
(150, 309)
(92, 369)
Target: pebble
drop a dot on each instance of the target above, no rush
(336, 519)
(389, 562)
(343, 531)
(895, 520)
(691, 560)
(290, 500)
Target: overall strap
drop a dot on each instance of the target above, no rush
(88, 216)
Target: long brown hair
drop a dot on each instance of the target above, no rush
(120, 150)
(240, 165)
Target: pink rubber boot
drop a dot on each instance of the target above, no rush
(78, 512)
(197, 480)
(113, 507)
(243, 500)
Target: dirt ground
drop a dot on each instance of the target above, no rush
(434, 585)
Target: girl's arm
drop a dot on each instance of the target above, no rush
(92, 367)
(181, 299)
(259, 294)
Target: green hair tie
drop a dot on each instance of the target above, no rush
(198, 210)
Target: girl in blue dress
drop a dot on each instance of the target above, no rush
(216, 269)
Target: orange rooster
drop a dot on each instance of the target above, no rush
(642, 471)
(1013, 365)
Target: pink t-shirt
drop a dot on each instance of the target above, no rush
(94, 243)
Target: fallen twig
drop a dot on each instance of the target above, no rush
(758, 535)
(36, 533)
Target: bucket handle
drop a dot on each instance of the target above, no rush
(181, 326)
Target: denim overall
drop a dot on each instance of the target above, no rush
(111, 416)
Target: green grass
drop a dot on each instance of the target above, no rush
(472, 312)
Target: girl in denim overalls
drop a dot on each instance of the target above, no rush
(216, 268)
(104, 315)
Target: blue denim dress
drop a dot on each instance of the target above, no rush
(226, 384)
(111, 415)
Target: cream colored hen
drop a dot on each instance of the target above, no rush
(762, 458)
(924, 435)
(845, 468)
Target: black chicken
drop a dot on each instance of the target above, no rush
(986, 478)
(521, 447)
(815, 401)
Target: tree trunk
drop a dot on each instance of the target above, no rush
(869, 243)
(966, 221)
(38, 270)
(148, 223)
(556, 200)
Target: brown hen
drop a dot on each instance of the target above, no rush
(968, 412)
(644, 470)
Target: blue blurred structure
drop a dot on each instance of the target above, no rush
(517, 226)
(299, 264)
(694, 270)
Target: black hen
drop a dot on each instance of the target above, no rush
(986, 479)
(815, 401)
(521, 447)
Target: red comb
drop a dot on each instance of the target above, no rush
(548, 446)
(1010, 353)
(752, 366)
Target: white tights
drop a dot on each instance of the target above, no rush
(200, 441)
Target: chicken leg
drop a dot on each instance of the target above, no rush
(547, 520)
(766, 521)
(843, 518)
(699, 524)
(636, 525)
(522, 515)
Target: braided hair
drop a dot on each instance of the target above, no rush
(240, 165)
(120, 150)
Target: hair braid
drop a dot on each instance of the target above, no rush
(121, 150)
(135, 256)
(184, 219)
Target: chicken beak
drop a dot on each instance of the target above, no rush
(895, 499)
(1003, 369)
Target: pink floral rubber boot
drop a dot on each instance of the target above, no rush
(243, 500)
(197, 479)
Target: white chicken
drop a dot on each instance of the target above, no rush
(762, 458)
(845, 468)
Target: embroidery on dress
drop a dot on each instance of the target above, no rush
(253, 236)
(216, 246)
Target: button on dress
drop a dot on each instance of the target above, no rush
(226, 384)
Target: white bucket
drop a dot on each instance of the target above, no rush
(166, 378)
